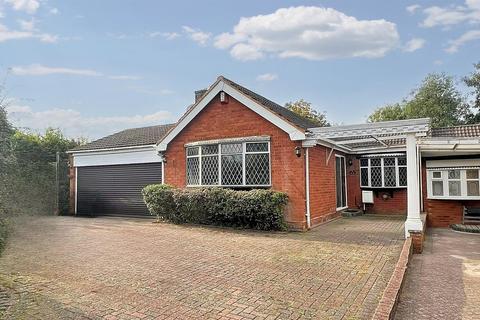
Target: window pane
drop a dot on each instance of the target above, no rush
(192, 151)
(472, 188)
(231, 148)
(376, 176)
(193, 171)
(232, 170)
(389, 162)
(257, 169)
(364, 162)
(472, 173)
(390, 179)
(454, 188)
(402, 176)
(210, 149)
(257, 147)
(376, 162)
(209, 170)
(402, 161)
(437, 174)
(437, 188)
(364, 177)
(453, 174)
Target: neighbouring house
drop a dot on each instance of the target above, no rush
(233, 137)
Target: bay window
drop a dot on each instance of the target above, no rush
(230, 164)
(453, 183)
(383, 172)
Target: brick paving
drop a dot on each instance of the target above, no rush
(105, 268)
(444, 281)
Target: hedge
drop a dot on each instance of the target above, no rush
(255, 209)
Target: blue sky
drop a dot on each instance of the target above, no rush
(95, 67)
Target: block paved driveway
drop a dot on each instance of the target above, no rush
(444, 281)
(81, 268)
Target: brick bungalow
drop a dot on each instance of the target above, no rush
(235, 138)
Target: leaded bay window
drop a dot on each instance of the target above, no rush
(229, 164)
(383, 172)
(453, 183)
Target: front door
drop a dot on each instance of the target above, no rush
(341, 182)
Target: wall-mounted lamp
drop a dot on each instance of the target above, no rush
(298, 151)
(350, 162)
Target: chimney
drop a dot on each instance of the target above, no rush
(199, 94)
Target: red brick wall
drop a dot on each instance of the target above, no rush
(218, 121)
(395, 203)
(323, 202)
(442, 213)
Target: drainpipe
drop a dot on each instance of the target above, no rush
(307, 188)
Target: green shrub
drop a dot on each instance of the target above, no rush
(159, 201)
(255, 209)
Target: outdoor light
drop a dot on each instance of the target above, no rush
(298, 151)
(350, 162)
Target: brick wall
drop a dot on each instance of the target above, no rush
(219, 121)
(391, 201)
(442, 213)
(323, 202)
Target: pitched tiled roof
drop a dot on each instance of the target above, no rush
(272, 106)
(129, 138)
(467, 131)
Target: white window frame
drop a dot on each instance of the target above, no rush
(244, 153)
(382, 166)
(446, 192)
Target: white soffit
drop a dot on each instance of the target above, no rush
(452, 163)
(294, 132)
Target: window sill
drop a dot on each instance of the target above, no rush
(382, 188)
(453, 198)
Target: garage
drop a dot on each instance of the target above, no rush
(115, 190)
(107, 175)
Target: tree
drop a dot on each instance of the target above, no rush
(305, 110)
(436, 98)
(473, 82)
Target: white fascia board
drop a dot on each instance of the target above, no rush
(116, 157)
(293, 132)
(450, 163)
(149, 146)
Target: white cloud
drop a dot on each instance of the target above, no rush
(29, 6)
(267, 77)
(166, 35)
(74, 124)
(124, 77)
(7, 34)
(452, 15)
(197, 35)
(468, 36)
(414, 45)
(27, 25)
(313, 33)
(54, 11)
(413, 8)
(40, 70)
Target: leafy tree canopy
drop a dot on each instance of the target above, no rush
(305, 110)
(436, 98)
(473, 82)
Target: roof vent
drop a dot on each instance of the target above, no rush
(199, 94)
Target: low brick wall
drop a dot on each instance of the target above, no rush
(388, 303)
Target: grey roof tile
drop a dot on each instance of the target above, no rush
(129, 138)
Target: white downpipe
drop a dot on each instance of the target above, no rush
(76, 189)
(307, 187)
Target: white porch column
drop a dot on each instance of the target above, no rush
(413, 222)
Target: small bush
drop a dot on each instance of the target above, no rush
(159, 201)
(255, 209)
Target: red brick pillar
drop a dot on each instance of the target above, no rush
(72, 178)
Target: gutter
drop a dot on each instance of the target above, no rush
(112, 149)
